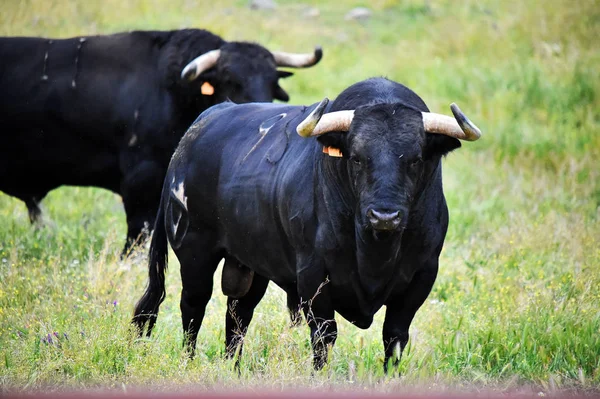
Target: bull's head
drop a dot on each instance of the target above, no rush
(244, 72)
(389, 150)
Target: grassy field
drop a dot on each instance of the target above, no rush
(517, 302)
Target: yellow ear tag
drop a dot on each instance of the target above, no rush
(332, 152)
(207, 89)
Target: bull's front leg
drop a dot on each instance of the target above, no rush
(313, 287)
(400, 311)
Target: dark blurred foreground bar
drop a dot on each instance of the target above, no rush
(289, 394)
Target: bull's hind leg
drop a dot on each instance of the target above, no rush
(198, 260)
(239, 314)
(140, 189)
(294, 307)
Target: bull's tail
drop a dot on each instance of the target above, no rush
(146, 310)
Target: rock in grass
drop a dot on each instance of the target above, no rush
(358, 14)
(311, 12)
(262, 4)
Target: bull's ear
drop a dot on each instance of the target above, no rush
(281, 94)
(438, 145)
(333, 140)
(209, 76)
(207, 82)
(284, 74)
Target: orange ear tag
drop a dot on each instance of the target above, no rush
(332, 152)
(207, 89)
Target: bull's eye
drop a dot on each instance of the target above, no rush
(355, 160)
(417, 162)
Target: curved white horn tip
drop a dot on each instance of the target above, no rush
(471, 131)
(318, 53)
(189, 72)
(307, 126)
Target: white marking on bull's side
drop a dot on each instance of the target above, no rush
(77, 54)
(44, 75)
(132, 140)
(176, 224)
(262, 131)
(179, 193)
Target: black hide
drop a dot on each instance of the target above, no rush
(305, 220)
(108, 111)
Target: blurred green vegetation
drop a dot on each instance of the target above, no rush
(517, 300)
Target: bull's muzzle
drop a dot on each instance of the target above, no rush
(383, 220)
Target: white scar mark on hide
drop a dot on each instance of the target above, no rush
(44, 75)
(262, 131)
(179, 193)
(176, 224)
(73, 82)
(133, 140)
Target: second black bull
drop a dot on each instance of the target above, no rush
(108, 111)
(349, 218)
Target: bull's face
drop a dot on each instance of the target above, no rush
(388, 156)
(244, 72)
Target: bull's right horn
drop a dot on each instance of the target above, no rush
(200, 64)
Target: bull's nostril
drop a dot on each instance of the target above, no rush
(384, 220)
(372, 215)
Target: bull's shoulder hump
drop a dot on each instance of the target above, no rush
(214, 110)
(246, 114)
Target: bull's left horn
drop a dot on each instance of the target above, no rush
(295, 60)
(200, 64)
(459, 127)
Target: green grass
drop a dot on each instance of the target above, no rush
(517, 300)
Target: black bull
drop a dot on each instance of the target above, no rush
(348, 234)
(108, 111)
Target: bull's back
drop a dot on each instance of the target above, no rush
(70, 102)
(22, 77)
(81, 82)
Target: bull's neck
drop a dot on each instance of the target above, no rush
(370, 265)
